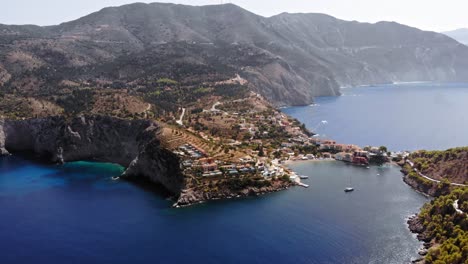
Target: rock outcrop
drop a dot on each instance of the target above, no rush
(3, 151)
(131, 143)
(159, 165)
(193, 196)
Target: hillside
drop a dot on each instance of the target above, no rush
(460, 35)
(288, 58)
(451, 164)
(443, 225)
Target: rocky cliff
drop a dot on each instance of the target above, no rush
(130, 143)
(3, 150)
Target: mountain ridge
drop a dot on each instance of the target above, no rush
(288, 58)
(461, 35)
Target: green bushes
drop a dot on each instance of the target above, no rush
(447, 227)
(238, 184)
(79, 101)
(166, 81)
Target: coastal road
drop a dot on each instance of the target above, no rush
(429, 178)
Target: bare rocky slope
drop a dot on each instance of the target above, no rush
(288, 58)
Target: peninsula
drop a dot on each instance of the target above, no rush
(443, 223)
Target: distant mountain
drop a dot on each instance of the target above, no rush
(460, 35)
(288, 58)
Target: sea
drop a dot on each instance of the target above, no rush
(76, 213)
(407, 116)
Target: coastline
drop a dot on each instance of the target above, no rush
(289, 162)
(416, 227)
(422, 223)
(190, 197)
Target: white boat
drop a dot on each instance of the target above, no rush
(349, 189)
(303, 177)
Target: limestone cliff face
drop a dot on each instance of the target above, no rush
(3, 151)
(96, 138)
(157, 164)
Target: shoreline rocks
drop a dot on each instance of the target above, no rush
(3, 150)
(416, 226)
(193, 196)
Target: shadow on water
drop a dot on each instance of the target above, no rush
(80, 174)
(30, 157)
(149, 187)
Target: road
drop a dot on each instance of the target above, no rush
(455, 205)
(180, 122)
(213, 108)
(429, 178)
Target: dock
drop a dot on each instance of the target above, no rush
(297, 179)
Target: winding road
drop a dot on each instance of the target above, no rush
(213, 108)
(429, 178)
(180, 122)
(455, 206)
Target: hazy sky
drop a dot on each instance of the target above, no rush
(437, 15)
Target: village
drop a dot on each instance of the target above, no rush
(248, 139)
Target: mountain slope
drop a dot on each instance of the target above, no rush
(288, 58)
(460, 35)
(450, 164)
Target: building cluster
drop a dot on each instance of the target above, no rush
(189, 150)
(203, 166)
(287, 141)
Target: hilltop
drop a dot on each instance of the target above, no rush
(461, 35)
(288, 58)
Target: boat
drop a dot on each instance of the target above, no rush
(349, 189)
(303, 177)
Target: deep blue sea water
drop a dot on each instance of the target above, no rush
(403, 117)
(75, 213)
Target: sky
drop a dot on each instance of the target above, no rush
(434, 15)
